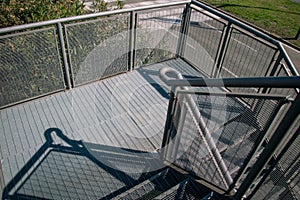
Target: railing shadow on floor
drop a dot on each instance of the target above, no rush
(77, 169)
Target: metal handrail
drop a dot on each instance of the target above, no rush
(207, 138)
(89, 16)
(59, 23)
(279, 133)
(263, 82)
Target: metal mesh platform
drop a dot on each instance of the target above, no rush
(73, 171)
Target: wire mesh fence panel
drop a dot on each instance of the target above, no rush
(157, 35)
(284, 71)
(246, 56)
(218, 141)
(98, 48)
(203, 41)
(284, 181)
(30, 65)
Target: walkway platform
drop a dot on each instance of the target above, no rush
(127, 111)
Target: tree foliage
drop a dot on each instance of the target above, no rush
(14, 12)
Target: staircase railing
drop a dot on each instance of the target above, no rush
(180, 144)
(209, 141)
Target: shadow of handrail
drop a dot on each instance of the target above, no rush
(78, 149)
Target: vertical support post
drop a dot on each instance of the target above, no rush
(266, 155)
(222, 50)
(183, 30)
(132, 40)
(276, 65)
(181, 118)
(275, 69)
(166, 136)
(64, 56)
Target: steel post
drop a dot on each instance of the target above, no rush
(64, 56)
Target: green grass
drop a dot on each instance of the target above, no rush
(279, 17)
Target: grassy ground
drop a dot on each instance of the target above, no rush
(280, 17)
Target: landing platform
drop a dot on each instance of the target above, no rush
(128, 111)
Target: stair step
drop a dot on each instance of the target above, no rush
(174, 191)
(153, 186)
(187, 189)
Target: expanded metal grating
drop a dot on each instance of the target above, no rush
(155, 186)
(230, 124)
(68, 176)
(63, 172)
(191, 190)
(30, 65)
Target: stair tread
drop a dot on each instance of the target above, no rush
(139, 186)
(153, 186)
(172, 189)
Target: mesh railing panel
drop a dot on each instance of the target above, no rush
(30, 65)
(98, 48)
(233, 126)
(283, 71)
(284, 180)
(157, 34)
(203, 41)
(246, 56)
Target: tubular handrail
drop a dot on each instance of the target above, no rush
(288, 60)
(89, 16)
(263, 82)
(204, 132)
(275, 82)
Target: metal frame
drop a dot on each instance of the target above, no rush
(223, 39)
(228, 37)
(248, 28)
(208, 140)
(64, 55)
(183, 30)
(88, 16)
(264, 82)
